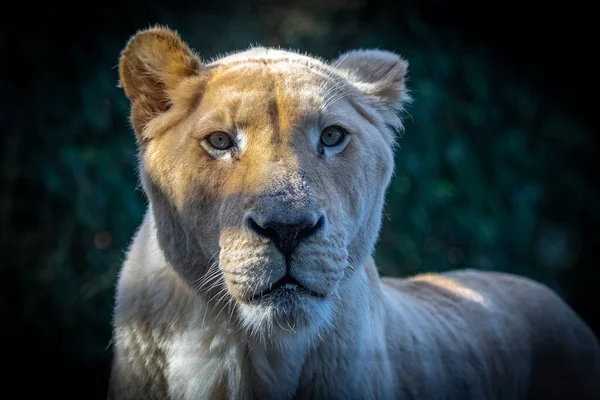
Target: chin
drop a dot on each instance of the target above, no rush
(287, 312)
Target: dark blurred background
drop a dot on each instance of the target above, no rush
(496, 169)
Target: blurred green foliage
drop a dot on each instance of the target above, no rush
(485, 174)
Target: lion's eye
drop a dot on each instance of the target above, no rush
(220, 140)
(333, 136)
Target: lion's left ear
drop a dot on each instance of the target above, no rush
(379, 74)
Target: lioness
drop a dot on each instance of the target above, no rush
(252, 277)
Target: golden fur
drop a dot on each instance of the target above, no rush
(187, 324)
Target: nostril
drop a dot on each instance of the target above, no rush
(309, 230)
(267, 231)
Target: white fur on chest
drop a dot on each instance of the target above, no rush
(204, 361)
(200, 361)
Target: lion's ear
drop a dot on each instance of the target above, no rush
(379, 74)
(152, 64)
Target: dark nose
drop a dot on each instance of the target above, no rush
(286, 236)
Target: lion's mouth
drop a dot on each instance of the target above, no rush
(285, 285)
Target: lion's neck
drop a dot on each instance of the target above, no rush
(212, 347)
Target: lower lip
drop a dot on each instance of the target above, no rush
(288, 288)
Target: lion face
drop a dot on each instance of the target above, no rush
(266, 170)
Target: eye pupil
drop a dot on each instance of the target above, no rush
(333, 136)
(220, 140)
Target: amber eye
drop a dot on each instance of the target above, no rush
(220, 140)
(333, 136)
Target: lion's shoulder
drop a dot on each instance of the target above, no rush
(510, 319)
(516, 307)
(513, 304)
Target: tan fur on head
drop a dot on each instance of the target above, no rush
(252, 276)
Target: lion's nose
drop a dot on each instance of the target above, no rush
(286, 236)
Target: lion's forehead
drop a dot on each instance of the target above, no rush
(276, 95)
(285, 79)
(290, 74)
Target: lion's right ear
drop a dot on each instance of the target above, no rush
(152, 64)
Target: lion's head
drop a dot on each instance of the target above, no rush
(266, 170)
